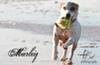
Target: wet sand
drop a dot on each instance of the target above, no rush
(88, 32)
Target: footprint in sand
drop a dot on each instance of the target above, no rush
(37, 41)
(46, 43)
(23, 41)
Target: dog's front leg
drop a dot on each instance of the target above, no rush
(71, 50)
(55, 44)
(64, 55)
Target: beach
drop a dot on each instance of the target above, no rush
(28, 25)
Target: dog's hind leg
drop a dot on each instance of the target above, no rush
(54, 49)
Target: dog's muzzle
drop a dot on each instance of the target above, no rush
(68, 16)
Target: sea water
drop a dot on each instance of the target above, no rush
(46, 12)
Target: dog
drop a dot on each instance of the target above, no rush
(67, 38)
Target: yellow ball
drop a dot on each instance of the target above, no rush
(65, 23)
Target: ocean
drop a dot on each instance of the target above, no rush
(46, 11)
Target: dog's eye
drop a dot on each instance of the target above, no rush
(63, 18)
(72, 9)
(64, 8)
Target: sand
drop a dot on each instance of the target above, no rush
(22, 35)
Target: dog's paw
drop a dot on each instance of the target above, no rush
(63, 59)
(69, 62)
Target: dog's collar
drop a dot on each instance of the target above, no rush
(73, 20)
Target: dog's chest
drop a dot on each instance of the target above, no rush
(63, 34)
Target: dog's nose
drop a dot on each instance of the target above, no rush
(68, 15)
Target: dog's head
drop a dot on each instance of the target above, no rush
(70, 10)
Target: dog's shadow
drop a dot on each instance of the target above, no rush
(65, 63)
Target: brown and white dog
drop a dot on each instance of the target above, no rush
(67, 38)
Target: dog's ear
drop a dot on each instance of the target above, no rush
(75, 5)
(61, 5)
(72, 4)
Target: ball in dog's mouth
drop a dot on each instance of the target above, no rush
(65, 23)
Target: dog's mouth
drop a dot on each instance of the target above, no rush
(70, 17)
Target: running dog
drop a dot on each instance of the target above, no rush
(66, 37)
